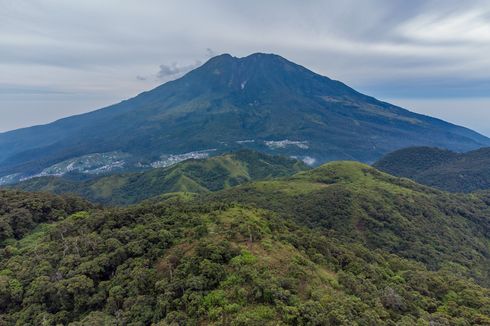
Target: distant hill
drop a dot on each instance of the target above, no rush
(262, 101)
(443, 169)
(194, 175)
(343, 244)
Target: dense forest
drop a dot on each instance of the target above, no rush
(343, 244)
(440, 168)
(21, 212)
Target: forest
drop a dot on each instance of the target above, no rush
(343, 244)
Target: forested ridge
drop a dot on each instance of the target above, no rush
(440, 168)
(343, 244)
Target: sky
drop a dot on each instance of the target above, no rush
(65, 57)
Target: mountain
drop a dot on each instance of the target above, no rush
(443, 169)
(343, 244)
(261, 101)
(193, 175)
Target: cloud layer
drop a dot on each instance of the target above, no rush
(90, 54)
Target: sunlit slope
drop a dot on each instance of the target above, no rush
(196, 176)
(360, 204)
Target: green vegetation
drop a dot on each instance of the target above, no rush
(20, 212)
(443, 169)
(357, 203)
(196, 176)
(343, 244)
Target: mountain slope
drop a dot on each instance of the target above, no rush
(357, 203)
(261, 101)
(313, 249)
(194, 176)
(446, 170)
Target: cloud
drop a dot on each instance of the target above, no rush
(467, 26)
(211, 53)
(175, 69)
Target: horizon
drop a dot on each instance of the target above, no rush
(59, 60)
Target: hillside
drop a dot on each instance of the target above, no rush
(262, 101)
(21, 212)
(355, 202)
(194, 175)
(446, 170)
(343, 244)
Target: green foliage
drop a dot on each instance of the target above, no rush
(340, 245)
(194, 176)
(443, 169)
(356, 203)
(21, 212)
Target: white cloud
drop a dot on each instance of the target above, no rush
(470, 26)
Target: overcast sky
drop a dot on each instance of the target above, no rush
(59, 58)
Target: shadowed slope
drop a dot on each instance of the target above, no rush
(446, 170)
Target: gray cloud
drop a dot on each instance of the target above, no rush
(175, 69)
(168, 72)
(389, 48)
(211, 53)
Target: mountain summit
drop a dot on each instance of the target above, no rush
(261, 101)
(262, 75)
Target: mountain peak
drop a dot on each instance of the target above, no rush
(256, 59)
(261, 73)
(266, 56)
(251, 57)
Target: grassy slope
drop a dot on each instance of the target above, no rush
(195, 176)
(339, 245)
